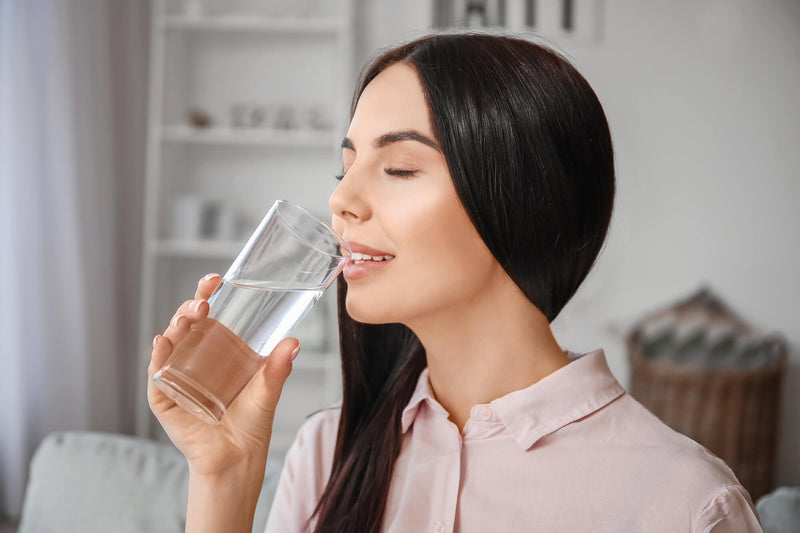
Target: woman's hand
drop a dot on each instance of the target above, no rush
(243, 436)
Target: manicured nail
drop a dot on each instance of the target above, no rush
(155, 341)
(295, 352)
(209, 276)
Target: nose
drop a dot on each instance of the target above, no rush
(348, 201)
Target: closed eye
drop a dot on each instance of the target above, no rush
(399, 172)
(390, 171)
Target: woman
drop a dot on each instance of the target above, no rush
(478, 187)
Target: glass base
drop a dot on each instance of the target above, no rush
(189, 395)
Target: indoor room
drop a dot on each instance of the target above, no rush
(147, 144)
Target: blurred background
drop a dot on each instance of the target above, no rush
(142, 141)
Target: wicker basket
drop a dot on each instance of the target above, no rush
(734, 412)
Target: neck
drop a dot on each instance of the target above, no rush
(486, 349)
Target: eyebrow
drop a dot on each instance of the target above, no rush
(394, 137)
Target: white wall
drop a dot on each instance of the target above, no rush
(702, 97)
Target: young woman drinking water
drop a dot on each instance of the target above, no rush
(478, 187)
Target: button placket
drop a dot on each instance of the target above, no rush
(454, 484)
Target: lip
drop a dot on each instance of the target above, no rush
(353, 271)
(359, 248)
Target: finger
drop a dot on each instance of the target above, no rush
(194, 310)
(178, 328)
(206, 286)
(277, 369)
(162, 347)
(252, 413)
(198, 308)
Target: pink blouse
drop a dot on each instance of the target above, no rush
(571, 453)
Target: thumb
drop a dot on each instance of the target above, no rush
(252, 413)
(277, 369)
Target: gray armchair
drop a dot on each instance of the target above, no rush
(94, 482)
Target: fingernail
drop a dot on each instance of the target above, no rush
(295, 352)
(155, 341)
(174, 321)
(195, 305)
(209, 276)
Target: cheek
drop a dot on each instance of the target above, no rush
(442, 232)
(441, 262)
(453, 261)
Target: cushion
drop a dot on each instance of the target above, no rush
(779, 510)
(96, 482)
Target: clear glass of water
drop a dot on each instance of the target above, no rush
(284, 268)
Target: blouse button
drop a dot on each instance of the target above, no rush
(438, 527)
(485, 412)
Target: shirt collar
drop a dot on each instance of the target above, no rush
(423, 392)
(568, 394)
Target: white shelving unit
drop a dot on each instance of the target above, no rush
(239, 137)
(270, 64)
(245, 23)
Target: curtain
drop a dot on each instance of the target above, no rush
(71, 151)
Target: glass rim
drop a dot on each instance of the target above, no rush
(343, 243)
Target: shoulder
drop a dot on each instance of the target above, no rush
(730, 510)
(305, 473)
(679, 471)
(650, 443)
(320, 428)
(311, 454)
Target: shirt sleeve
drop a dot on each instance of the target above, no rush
(729, 511)
(282, 517)
(305, 473)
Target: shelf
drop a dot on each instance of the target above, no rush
(198, 249)
(214, 60)
(248, 137)
(244, 23)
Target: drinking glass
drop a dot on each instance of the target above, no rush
(284, 268)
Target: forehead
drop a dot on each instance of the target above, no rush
(394, 100)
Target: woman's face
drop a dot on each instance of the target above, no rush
(396, 199)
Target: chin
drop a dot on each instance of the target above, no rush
(368, 313)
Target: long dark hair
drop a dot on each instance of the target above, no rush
(529, 151)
